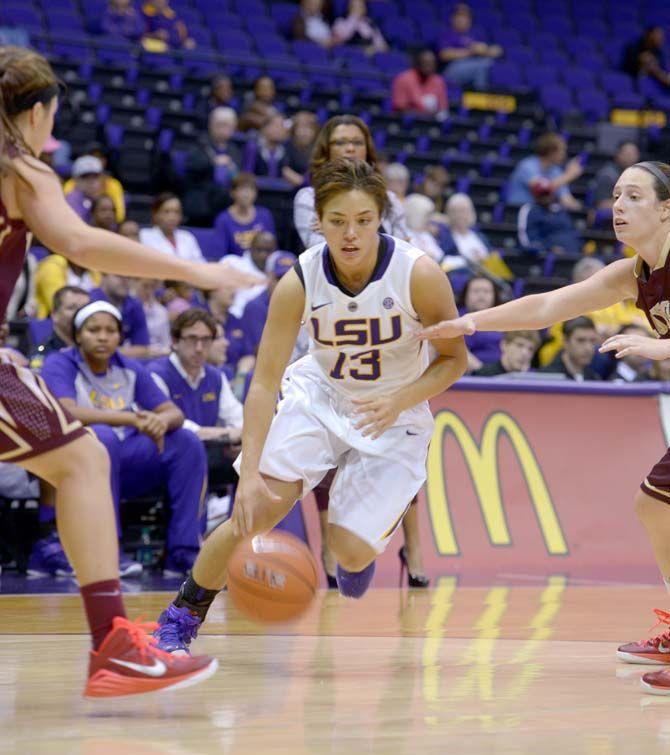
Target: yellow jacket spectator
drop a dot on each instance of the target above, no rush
(110, 185)
(52, 274)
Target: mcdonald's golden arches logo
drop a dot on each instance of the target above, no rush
(482, 462)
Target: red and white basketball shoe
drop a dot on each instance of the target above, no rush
(129, 663)
(654, 651)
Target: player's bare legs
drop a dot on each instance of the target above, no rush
(655, 518)
(356, 561)
(80, 473)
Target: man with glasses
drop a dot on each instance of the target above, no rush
(202, 392)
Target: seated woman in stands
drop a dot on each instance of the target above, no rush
(139, 426)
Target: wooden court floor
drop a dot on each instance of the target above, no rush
(449, 670)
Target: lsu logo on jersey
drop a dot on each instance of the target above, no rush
(358, 331)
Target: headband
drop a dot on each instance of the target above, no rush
(92, 309)
(27, 100)
(656, 172)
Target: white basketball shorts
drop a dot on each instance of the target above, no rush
(313, 432)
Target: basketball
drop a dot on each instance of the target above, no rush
(272, 577)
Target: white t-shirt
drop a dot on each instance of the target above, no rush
(470, 246)
(186, 245)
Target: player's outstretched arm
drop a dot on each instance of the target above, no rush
(433, 301)
(41, 203)
(608, 286)
(277, 343)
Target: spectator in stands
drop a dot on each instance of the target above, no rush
(462, 236)
(54, 272)
(433, 184)
(632, 368)
(646, 56)
(137, 423)
(550, 153)
(420, 89)
(580, 340)
(211, 165)
(201, 391)
(397, 178)
(237, 226)
(165, 234)
(158, 321)
(110, 185)
(66, 301)
(468, 60)
(304, 128)
(222, 93)
(87, 172)
(115, 290)
(266, 154)
(418, 213)
(238, 356)
(342, 136)
(260, 105)
(130, 229)
(256, 311)
(627, 154)
(253, 262)
(357, 28)
(121, 19)
(103, 214)
(483, 347)
(517, 349)
(163, 28)
(310, 23)
(545, 225)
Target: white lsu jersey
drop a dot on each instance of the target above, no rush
(363, 343)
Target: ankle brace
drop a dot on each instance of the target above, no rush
(197, 599)
(354, 584)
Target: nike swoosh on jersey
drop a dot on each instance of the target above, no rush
(409, 432)
(157, 669)
(318, 306)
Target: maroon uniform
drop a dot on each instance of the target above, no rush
(31, 419)
(653, 298)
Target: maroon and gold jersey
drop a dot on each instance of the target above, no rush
(653, 291)
(14, 240)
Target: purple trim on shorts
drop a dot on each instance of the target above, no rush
(547, 385)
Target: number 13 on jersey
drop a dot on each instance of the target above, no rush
(365, 365)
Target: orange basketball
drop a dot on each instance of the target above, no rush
(272, 577)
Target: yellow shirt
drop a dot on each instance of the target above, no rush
(53, 273)
(111, 187)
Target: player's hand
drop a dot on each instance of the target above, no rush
(640, 346)
(223, 276)
(15, 357)
(460, 326)
(153, 425)
(375, 415)
(253, 495)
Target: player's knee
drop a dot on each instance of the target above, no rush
(266, 517)
(87, 458)
(350, 551)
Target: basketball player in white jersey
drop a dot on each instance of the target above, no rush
(357, 401)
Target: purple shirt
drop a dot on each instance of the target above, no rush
(135, 330)
(238, 345)
(236, 237)
(452, 38)
(80, 204)
(125, 383)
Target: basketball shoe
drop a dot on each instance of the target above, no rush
(656, 682)
(655, 651)
(129, 663)
(177, 626)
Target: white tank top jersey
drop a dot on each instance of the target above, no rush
(363, 343)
